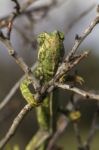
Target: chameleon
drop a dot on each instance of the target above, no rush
(50, 55)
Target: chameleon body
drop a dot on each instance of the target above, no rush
(50, 54)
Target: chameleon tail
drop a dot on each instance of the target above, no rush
(26, 93)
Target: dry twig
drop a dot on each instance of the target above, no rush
(79, 91)
(79, 39)
(62, 124)
(13, 90)
(15, 125)
(20, 61)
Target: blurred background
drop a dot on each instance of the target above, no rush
(70, 17)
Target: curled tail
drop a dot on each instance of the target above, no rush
(28, 96)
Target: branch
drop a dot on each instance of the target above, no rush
(64, 68)
(15, 125)
(20, 61)
(78, 136)
(68, 65)
(8, 97)
(62, 124)
(13, 90)
(79, 39)
(81, 92)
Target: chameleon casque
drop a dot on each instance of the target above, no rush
(50, 55)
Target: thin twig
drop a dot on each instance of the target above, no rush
(20, 62)
(79, 91)
(5, 101)
(77, 133)
(13, 90)
(79, 39)
(66, 66)
(15, 125)
(62, 124)
(62, 70)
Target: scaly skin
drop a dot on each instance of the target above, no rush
(50, 54)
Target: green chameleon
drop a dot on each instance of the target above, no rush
(50, 55)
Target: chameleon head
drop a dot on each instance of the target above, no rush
(50, 44)
(55, 36)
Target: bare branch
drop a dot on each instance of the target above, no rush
(9, 95)
(64, 68)
(62, 124)
(79, 91)
(15, 125)
(13, 90)
(79, 39)
(20, 62)
(77, 133)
